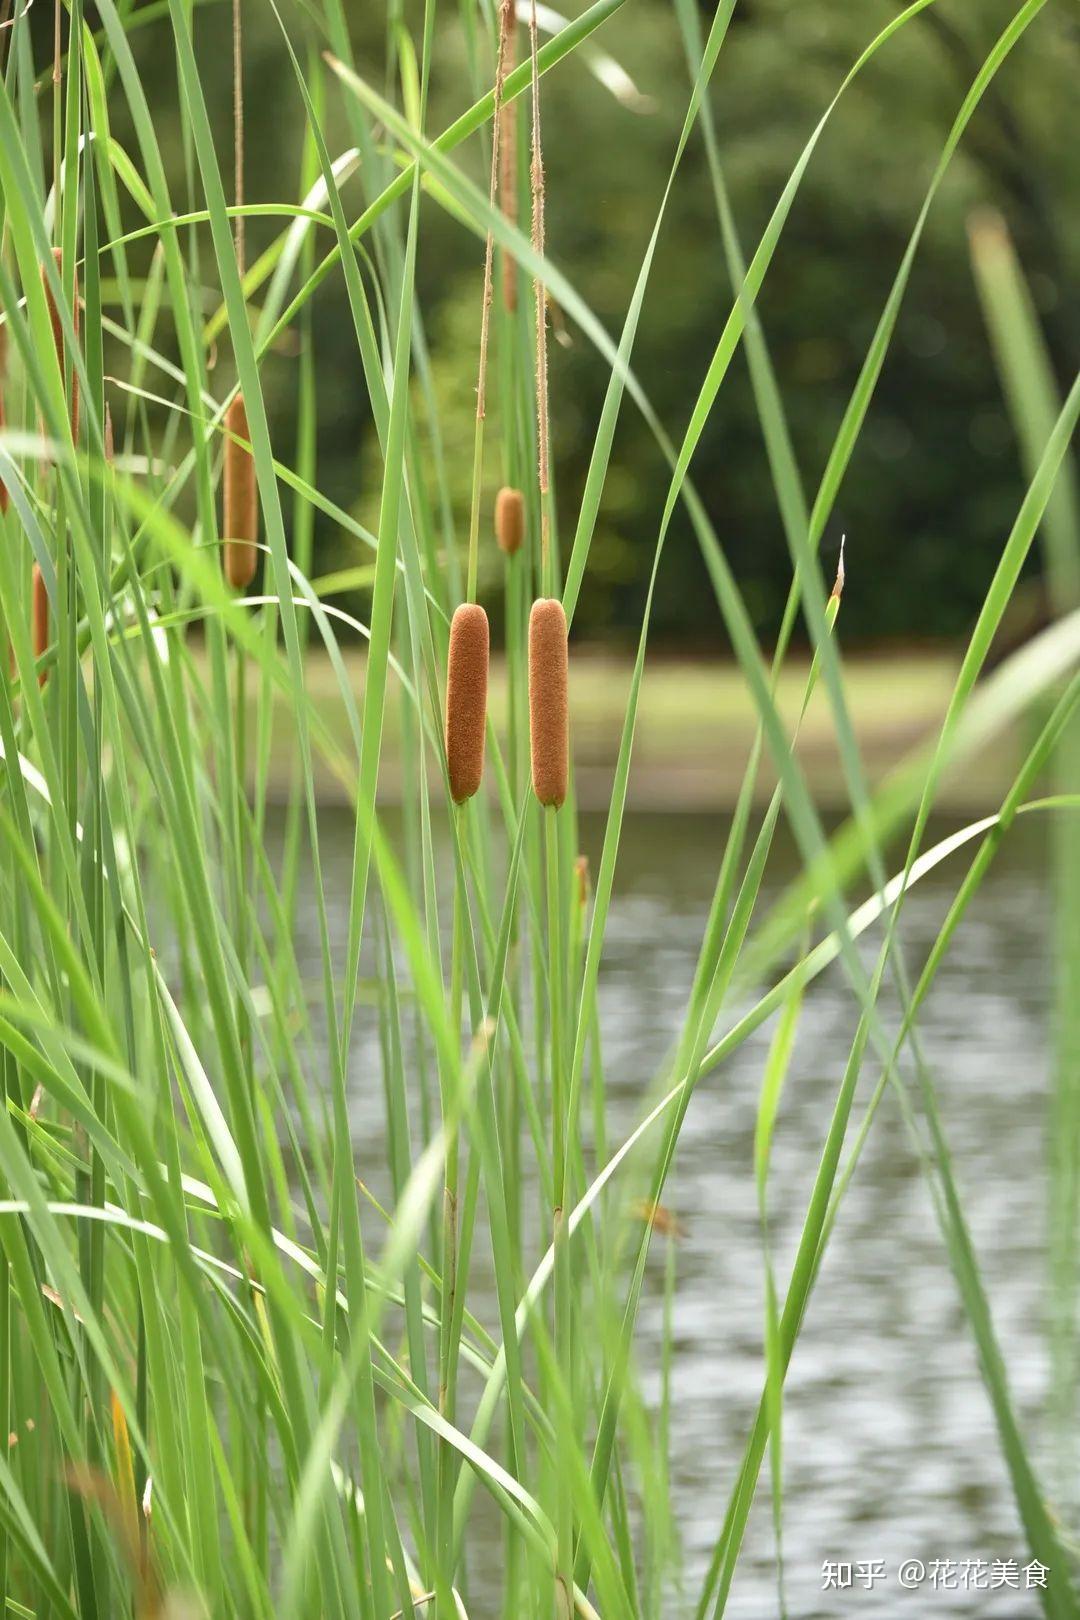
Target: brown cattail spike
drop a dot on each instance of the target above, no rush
(241, 501)
(466, 700)
(39, 610)
(509, 520)
(58, 332)
(548, 704)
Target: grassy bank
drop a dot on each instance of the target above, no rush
(696, 724)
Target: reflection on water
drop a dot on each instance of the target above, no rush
(890, 1447)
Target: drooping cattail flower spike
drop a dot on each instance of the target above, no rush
(509, 520)
(39, 617)
(58, 331)
(505, 46)
(508, 175)
(549, 701)
(466, 700)
(506, 14)
(241, 500)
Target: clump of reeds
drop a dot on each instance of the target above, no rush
(466, 700)
(241, 500)
(509, 519)
(58, 332)
(39, 617)
(548, 701)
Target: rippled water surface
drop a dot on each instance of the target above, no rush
(890, 1446)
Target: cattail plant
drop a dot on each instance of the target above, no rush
(509, 520)
(39, 616)
(58, 332)
(466, 700)
(548, 701)
(241, 503)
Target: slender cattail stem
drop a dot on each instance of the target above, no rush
(506, 17)
(241, 506)
(58, 332)
(466, 700)
(39, 617)
(509, 520)
(563, 1282)
(549, 701)
(238, 137)
(539, 234)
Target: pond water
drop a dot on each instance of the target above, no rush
(891, 1451)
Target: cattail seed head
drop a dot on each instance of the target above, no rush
(39, 616)
(241, 514)
(58, 332)
(548, 701)
(509, 520)
(466, 700)
(508, 196)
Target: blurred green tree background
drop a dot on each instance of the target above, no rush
(935, 481)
